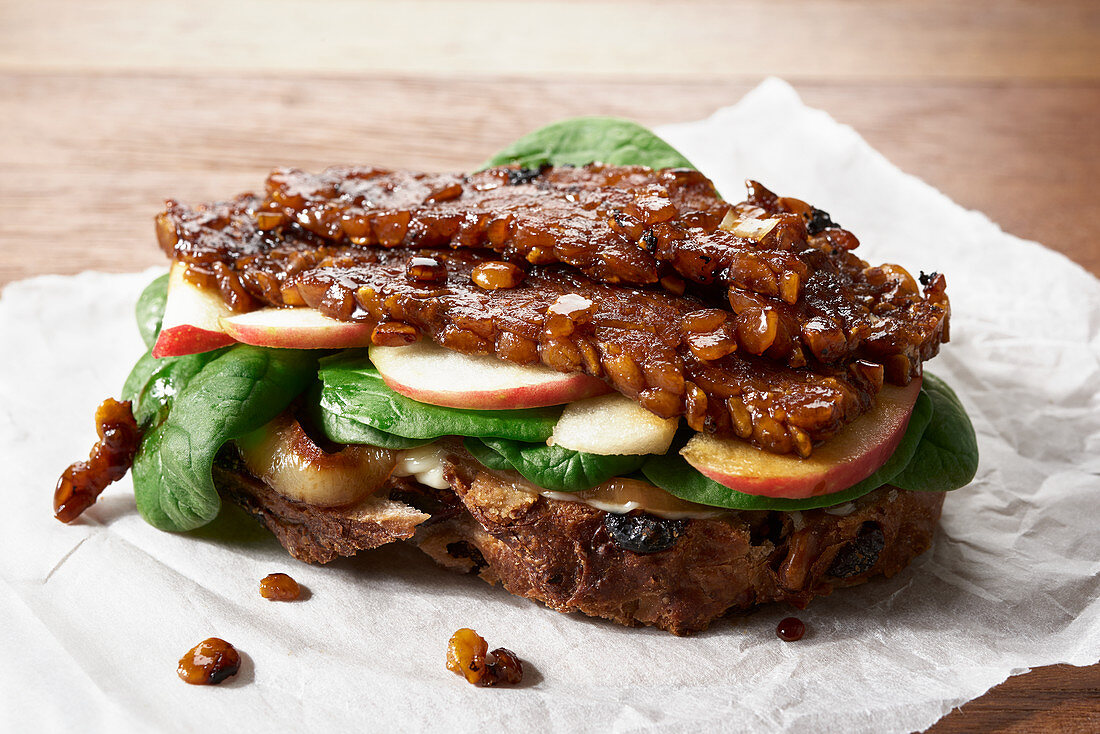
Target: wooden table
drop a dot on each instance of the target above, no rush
(107, 108)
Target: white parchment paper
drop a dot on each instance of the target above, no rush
(94, 616)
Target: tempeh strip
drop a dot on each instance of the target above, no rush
(783, 267)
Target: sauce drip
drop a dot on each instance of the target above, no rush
(468, 655)
(279, 587)
(209, 663)
(109, 460)
(790, 629)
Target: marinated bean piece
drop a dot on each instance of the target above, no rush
(566, 313)
(468, 656)
(493, 275)
(269, 220)
(506, 666)
(109, 460)
(209, 663)
(394, 334)
(640, 532)
(279, 587)
(425, 270)
(446, 193)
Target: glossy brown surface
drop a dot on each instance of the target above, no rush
(466, 651)
(993, 103)
(208, 663)
(780, 337)
(590, 218)
(279, 587)
(468, 656)
(783, 267)
(109, 460)
(790, 629)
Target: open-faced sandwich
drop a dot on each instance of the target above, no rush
(578, 372)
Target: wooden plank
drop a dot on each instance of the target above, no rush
(87, 160)
(1058, 698)
(821, 39)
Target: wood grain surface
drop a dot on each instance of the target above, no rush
(99, 153)
(108, 108)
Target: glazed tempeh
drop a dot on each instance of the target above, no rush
(768, 328)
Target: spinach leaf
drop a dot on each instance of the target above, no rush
(354, 391)
(346, 429)
(154, 383)
(583, 140)
(552, 467)
(947, 457)
(674, 475)
(150, 309)
(236, 392)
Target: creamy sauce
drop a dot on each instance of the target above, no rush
(424, 464)
(846, 509)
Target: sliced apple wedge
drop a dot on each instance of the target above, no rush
(191, 319)
(427, 372)
(612, 424)
(847, 458)
(295, 328)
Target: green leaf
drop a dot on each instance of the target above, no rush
(148, 473)
(353, 390)
(346, 429)
(238, 391)
(947, 457)
(154, 383)
(486, 456)
(552, 467)
(582, 140)
(674, 475)
(150, 309)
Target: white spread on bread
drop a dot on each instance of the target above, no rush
(424, 463)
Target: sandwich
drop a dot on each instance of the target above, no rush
(578, 372)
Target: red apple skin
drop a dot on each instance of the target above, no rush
(490, 384)
(574, 387)
(847, 458)
(177, 341)
(295, 328)
(190, 324)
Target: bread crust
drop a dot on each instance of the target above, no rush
(563, 555)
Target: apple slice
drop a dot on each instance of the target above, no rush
(295, 328)
(612, 424)
(847, 458)
(427, 372)
(191, 319)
